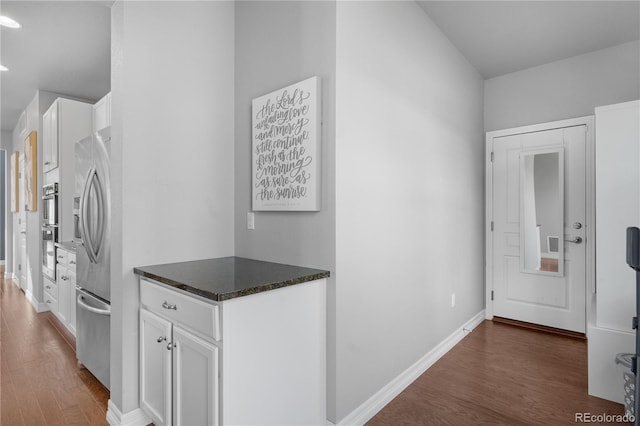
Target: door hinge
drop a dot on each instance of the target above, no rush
(491, 294)
(492, 156)
(491, 226)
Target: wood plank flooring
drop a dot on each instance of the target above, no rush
(40, 380)
(501, 374)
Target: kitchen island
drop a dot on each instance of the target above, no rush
(232, 341)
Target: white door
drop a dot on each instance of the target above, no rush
(538, 206)
(155, 367)
(195, 380)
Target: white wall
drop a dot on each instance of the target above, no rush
(277, 44)
(172, 153)
(271, 54)
(564, 89)
(409, 193)
(6, 144)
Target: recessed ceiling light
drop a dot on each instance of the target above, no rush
(5, 21)
(3, 68)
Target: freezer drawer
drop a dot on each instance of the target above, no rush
(92, 334)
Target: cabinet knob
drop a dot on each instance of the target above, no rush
(170, 345)
(48, 286)
(161, 339)
(168, 306)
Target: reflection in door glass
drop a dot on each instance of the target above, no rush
(542, 200)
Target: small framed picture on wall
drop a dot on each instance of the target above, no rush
(31, 172)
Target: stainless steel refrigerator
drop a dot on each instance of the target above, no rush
(92, 217)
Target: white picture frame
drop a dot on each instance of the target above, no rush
(286, 148)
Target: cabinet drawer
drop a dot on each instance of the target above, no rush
(50, 287)
(190, 312)
(71, 262)
(61, 256)
(51, 301)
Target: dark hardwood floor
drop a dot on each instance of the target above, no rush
(501, 374)
(40, 380)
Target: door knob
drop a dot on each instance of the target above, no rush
(576, 240)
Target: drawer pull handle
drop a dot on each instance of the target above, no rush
(48, 301)
(161, 339)
(170, 345)
(48, 286)
(72, 263)
(168, 306)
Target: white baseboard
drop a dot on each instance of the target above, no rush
(136, 417)
(38, 306)
(11, 276)
(373, 405)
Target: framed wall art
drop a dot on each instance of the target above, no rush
(286, 151)
(31, 172)
(15, 182)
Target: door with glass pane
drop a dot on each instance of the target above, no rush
(538, 242)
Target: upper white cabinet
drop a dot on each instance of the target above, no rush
(63, 124)
(102, 113)
(50, 138)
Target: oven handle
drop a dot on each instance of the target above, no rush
(93, 309)
(50, 197)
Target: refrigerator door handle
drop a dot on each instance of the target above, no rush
(85, 306)
(101, 213)
(84, 226)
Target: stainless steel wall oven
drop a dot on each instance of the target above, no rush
(49, 229)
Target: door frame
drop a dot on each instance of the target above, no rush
(589, 122)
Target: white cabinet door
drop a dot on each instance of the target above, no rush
(195, 380)
(50, 138)
(63, 294)
(71, 317)
(155, 367)
(102, 113)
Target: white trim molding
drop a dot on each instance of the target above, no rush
(135, 417)
(11, 276)
(377, 402)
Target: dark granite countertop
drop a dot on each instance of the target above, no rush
(229, 277)
(67, 245)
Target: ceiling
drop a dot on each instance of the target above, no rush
(500, 37)
(64, 46)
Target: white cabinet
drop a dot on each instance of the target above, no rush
(617, 207)
(178, 370)
(156, 384)
(50, 138)
(66, 289)
(102, 113)
(50, 294)
(272, 343)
